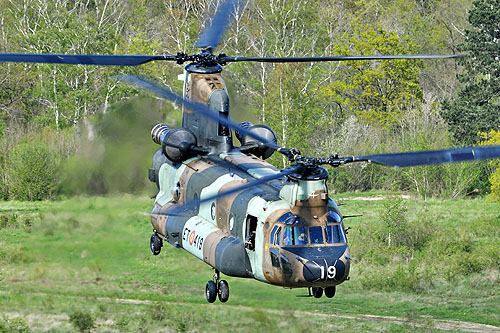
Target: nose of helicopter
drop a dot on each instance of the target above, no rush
(324, 269)
(323, 264)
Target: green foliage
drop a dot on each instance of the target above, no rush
(12, 254)
(14, 325)
(14, 221)
(111, 233)
(159, 311)
(423, 251)
(31, 172)
(493, 138)
(115, 151)
(2, 128)
(377, 92)
(395, 222)
(476, 107)
(82, 320)
(18, 325)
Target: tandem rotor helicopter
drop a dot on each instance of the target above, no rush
(227, 206)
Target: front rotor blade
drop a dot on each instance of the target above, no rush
(431, 157)
(212, 35)
(337, 58)
(192, 204)
(82, 59)
(195, 107)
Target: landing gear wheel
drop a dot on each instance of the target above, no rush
(223, 291)
(330, 292)
(211, 291)
(317, 292)
(155, 244)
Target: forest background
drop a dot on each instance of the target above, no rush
(74, 133)
(60, 121)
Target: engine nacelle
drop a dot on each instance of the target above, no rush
(177, 144)
(253, 146)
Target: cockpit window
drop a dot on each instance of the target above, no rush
(316, 235)
(333, 217)
(289, 218)
(300, 234)
(294, 236)
(334, 234)
(278, 236)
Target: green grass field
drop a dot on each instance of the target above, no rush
(92, 255)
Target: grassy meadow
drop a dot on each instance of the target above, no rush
(86, 260)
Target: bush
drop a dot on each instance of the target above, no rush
(31, 172)
(4, 192)
(493, 138)
(83, 321)
(159, 311)
(395, 222)
(17, 325)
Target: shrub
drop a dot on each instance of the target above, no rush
(18, 325)
(31, 172)
(159, 311)
(10, 254)
(83, 321)
(395, 222)
(493, 138)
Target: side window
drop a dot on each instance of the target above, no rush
(274, 258)
(333, 217)
(334, 234)
(316, 235)
(273, 233)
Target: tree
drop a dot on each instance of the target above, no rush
(376, 92)
(476, 107)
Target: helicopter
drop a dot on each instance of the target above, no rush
(225, 204)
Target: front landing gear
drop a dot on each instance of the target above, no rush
(155, 244)
(217, 287)
(330, 292)
(318, 292)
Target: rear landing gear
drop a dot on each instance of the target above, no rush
(211, 291)
(217, 288)
(155, 244)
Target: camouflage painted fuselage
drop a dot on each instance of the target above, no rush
(287, 232)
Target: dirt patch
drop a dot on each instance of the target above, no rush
(58, 322)
(424, 321)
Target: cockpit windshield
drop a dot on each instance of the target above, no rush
(316, 234)
(294, 233)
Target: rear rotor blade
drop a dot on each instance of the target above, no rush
(212, 35)
(83, 59)
(430, 157)
(227, 59)
(195, 107)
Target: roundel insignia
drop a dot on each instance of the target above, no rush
(212, 211)
(191, 237)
